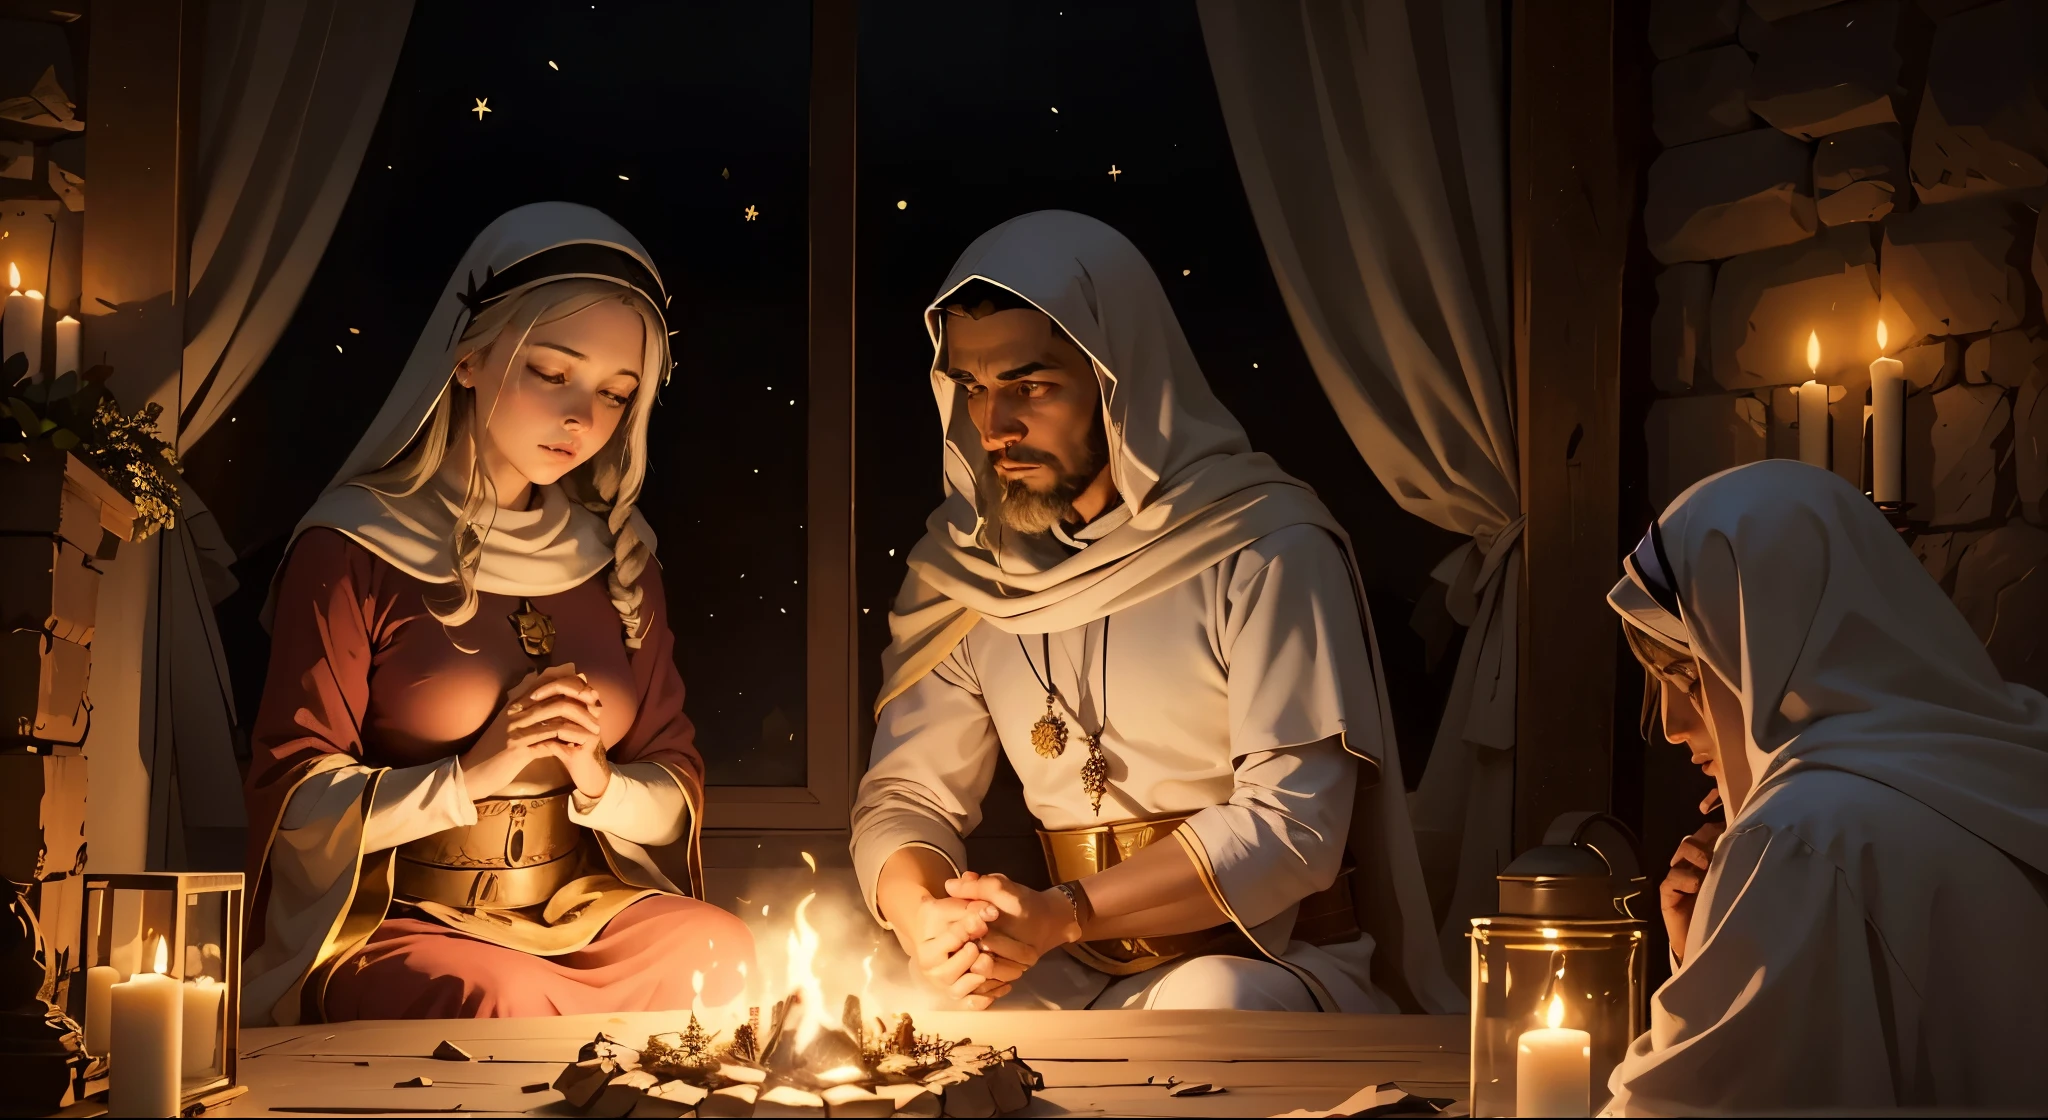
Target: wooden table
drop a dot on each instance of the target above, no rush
(1094, 1062)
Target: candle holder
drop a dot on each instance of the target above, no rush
(199, 917)
(1895, 512)
(1558, 976)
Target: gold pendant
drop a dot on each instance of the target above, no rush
(1095, 773)
(1049, 734)
(536, 630)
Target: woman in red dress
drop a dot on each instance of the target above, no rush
(474, 791)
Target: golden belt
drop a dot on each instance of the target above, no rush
(1075, 853)
(1323, 918)
(520, 851)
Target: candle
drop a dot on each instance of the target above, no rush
(202, 1024)
(21, 331)
(1813, 409)
(99, 1006)
(1887, 425)
(1554, 1068)
(67, 346)
(148, 1016)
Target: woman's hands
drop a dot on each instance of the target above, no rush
(551, 717)
(1689, 864)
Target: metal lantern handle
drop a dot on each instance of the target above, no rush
(1610, 838)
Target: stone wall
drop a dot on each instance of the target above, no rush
(1824, 165)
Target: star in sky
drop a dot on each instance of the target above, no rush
(483, 105)
(751, 214)
(1114, 171)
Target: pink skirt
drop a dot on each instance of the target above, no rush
(413, 968)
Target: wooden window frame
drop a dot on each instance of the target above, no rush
(832, 721)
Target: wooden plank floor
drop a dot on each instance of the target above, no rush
(1094, 1062)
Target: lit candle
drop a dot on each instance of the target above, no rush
(21, 331)
(99, 1006)
(1554, 1068)
(147, 1068)
(1887, 425)
(202, 1024)
(67, 346)
(1813, 410)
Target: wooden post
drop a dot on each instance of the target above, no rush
(143, 78)
(1570, 214)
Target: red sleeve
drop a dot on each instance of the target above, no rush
(661, 732)
(318, 684)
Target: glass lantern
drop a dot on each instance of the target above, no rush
(186, 926)
(1558, 975)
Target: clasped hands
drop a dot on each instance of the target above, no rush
(555, 714)
(975, 942)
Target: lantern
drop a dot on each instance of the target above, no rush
(1558, 975)
(164, 927)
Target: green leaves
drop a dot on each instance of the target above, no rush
(77, 414)
(24, 417)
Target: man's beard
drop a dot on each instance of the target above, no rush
(1037, 511)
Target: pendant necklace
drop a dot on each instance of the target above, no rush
(535, 629)
(1049, 734)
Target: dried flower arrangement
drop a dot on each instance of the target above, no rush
(76, 413)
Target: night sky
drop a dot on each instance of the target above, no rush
(674, 119)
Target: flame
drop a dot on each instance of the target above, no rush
(1556, 1013)
(840, 1075)
(1813, 352)
(803, 974)
(810, 861)
(13, 275)
(1883, 338)
(163, 955)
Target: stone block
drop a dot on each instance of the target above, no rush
(1983, 120)
(2001, 588)
(1678, 329)
(1833, 69)
(1859, 175)
(1678, 26)
(1693, 437)
(1942, 553)
(1700, 96)
(1767, 303)
(2004, 358)
(2030, 447)
(1729, 195)
(1955, 441)
(1932, 366)
(1956, 268)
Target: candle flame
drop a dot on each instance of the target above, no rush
(163, 956)
(1883, 338)
(1813, 352)
(810, 861)
(1555, 1015)
(13, 275)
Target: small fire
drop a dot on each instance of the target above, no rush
(1556, 1013)
(1883, 338)
(13, 275)
(803, 956)
(163, 948)
(1813, 353)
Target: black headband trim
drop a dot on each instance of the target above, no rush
(1658, 583)
(581, 258)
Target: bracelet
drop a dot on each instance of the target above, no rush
(1084, 911)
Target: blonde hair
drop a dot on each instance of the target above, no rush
(607, 484)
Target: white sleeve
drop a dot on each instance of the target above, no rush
(1780, 949)
(934, 755)
(643, 805)
(1280, 837)
(411, 802)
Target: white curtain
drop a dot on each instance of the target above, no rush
(290, 92)
(1370, 139)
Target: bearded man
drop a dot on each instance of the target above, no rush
(1164, 634)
